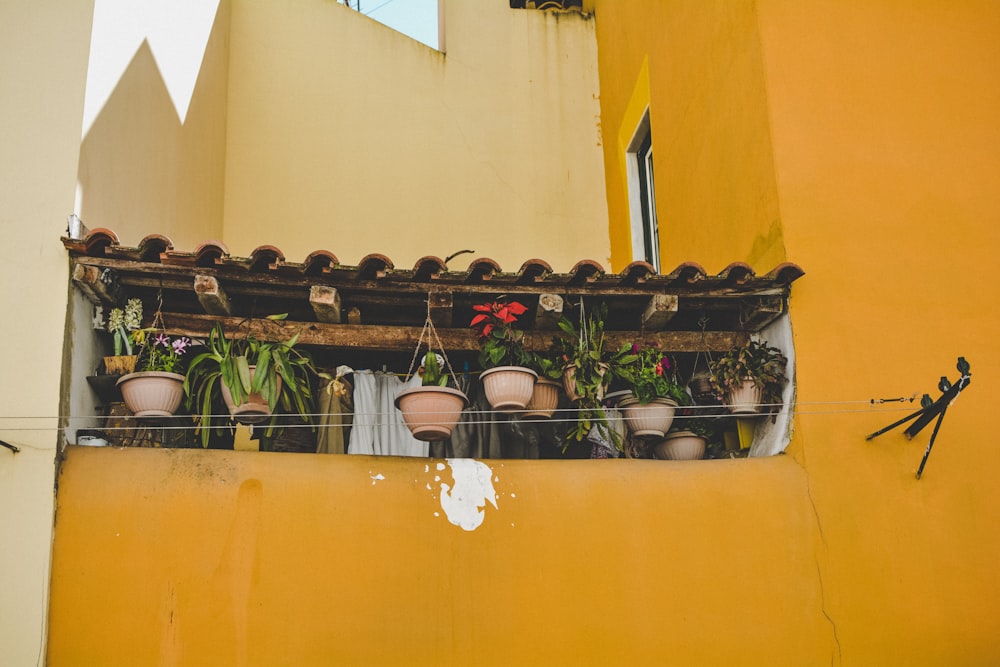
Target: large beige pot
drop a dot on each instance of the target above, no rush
(652, 419)
(152, 393)
(431, 412)
(680, 446)
(544, 400)
(745, 399)
(508, 388)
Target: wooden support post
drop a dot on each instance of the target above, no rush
(325, 302)
(99, 285)
(762, 314)
(212, 297)
(660, 310)
(550, 309)
(440, 305)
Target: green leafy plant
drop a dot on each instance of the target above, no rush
(762, 364)
(501, 343)
(592, 366)
(229, 361)
(431, 373)
(548, 365)
(653, 375)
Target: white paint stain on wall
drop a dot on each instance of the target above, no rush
(465, 503)
(376, 478)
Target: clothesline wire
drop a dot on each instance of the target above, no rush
(873, 409)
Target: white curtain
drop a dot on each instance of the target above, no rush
(378, 426)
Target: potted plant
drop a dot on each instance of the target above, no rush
(751, 375)
(252, 378)
(123, 323)
(507, 380)
(545, 395)
(432, 409)
(686, 442)
(157, 388)
(588, 370)
(656, 392)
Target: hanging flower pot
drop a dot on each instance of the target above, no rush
(744, 399)
(430, 411)
(680, 446)
(254, 408)
(152, 393)
(508, 388)
(650, 419)
(544, 400)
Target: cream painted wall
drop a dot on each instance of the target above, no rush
(142, 170)
(346, 135)
(42, 73)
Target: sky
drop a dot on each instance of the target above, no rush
(416, 18)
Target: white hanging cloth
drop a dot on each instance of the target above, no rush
(378, 424)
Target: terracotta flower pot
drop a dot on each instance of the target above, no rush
(650, 419)
(680, 446)
(544, 400)
(431, 412)
(253, 409)
(508, 388)
(152, 393)
(745, 399)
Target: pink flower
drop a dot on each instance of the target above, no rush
(162, 340)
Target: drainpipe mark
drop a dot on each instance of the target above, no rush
(465, 503)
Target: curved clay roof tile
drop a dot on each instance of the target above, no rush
(152, 246)
(427, 268)
(264, 258)
(319, 261)
(374, 266)
(637, 272)
(737, 273)
(482, 269)
(785, 273)
(586, 270)
(98, 240)
(533, 270)
(687, 272)
(209, 252)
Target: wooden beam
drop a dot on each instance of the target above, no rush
(761, 314)
(659, 311)
(395, 338)
(211, 296)
(354, 316)
(440, 304)
(550, 309)
(99, 285)
(325, 302)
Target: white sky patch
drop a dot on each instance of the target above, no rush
(177, 32)
(465, 504)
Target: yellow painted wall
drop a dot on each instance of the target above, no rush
(262, 559)
(697, 66)
(142, 170)
(887, 159)
(42, 73)
(344, 134)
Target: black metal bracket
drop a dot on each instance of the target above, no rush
(930, 409)
(10, 446)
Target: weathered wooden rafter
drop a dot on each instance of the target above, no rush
(403, 338)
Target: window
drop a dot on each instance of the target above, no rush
(642, 195)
